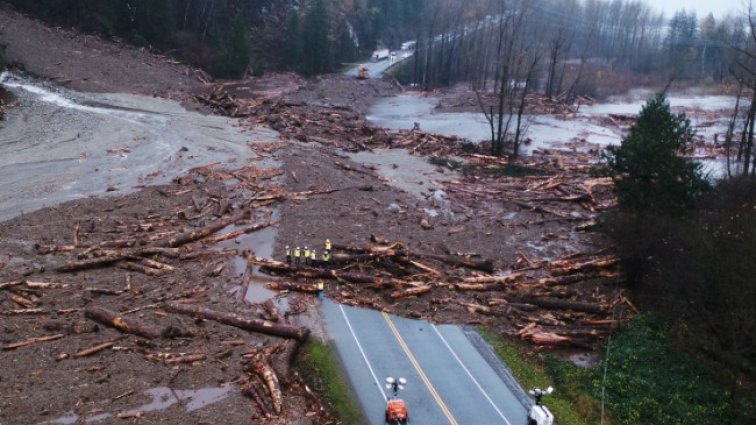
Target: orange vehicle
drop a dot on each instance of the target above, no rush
(363, 73)
(396, 408)
(396, 412)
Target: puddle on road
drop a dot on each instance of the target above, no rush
(161, 399)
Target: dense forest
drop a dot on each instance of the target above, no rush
(457, 40)
(228, 38)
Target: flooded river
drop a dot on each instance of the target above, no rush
(553, 131)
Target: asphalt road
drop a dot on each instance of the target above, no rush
(376, 69)
(452, 377)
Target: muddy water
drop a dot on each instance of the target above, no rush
(57, 145)
(161, 398)
(548, 131)
(402, 112)
(414, 175)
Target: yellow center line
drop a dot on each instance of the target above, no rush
(420, 371)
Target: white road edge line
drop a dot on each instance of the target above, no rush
(359, 346)
(475, 381)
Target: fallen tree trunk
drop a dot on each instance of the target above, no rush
(397, 250)
(32, 341)
(289, 286)
(204, 232)
(419, 290)
(231, 319)
(559, 304)
(148, 271)
(237, 233)
(470, 263)
(132, 326)
(564, 267)
(96, 349)
(266, 373)
(268, 266)
(251, 390)
(477, 286)
(282, 362)
(4, 285)
(493, 279)
(22, 312)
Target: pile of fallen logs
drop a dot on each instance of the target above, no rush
(222, 102)
(548, 303)
(162, 247)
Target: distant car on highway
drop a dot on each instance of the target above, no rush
(380, 55)
(409, 45)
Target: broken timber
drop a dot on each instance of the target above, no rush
(231, 319)
(115, 320)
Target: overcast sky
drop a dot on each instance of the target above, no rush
(702, 7)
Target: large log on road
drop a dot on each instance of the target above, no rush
(232, 319)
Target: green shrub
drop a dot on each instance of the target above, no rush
(649, 382)
(531, 374)
(322, 372)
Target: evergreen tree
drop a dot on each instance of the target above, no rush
(651, 176)
(316, 55)
(292, 49)
(237, 49)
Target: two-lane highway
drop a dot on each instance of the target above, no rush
(449, 380)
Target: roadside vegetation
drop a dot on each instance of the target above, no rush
(532, 373)
(321, 371)
(687, 248)
(649, 380)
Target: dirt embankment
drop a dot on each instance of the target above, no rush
(89, 63)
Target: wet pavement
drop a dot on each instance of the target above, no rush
(452, 376)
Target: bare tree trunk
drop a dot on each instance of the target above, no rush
(731, 130)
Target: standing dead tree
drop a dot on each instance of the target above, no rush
(743, 71)
(517, 56)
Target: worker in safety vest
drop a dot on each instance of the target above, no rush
(297, 254)
(288, 254)
(320, 286)
(326, 258)
(328, 245)
(313, 257)
(306, 254)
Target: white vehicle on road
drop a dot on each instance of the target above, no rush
(409, 45)
(539, 414)
(380, 55)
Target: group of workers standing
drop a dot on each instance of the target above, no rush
(309, 256)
